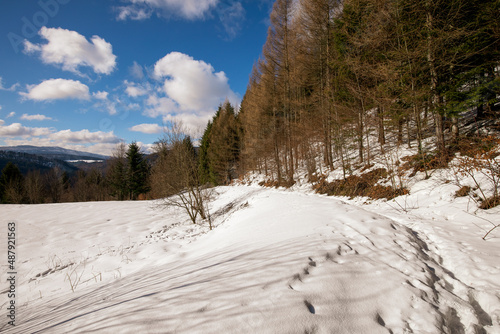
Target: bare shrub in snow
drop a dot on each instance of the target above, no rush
(481, 165)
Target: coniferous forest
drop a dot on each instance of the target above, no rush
(333, 75)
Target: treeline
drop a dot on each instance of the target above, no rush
(174, 167)
(334, 75)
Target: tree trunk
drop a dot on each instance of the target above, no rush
(454, 128)
(440, 141)
(381, 131)
(435, 98)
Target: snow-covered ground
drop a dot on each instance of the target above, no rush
(278, 261)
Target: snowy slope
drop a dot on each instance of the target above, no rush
(277, 262)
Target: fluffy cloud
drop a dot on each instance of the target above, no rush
(101, 95)
(193, 124)
(160, 106)
(57, 89)
(71, 50)
(63, 136)
(36, 117)
(193, 84)
(18, 130)
(142, 9)
(185, 90)
(231, 13)
(84, 136)
(11, 114)
(147, 128)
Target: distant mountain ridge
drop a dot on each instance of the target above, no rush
(54, 152)
(27, 162)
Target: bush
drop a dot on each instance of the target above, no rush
(364, 185)
(425, 162)
(479, 159)
(490, 202)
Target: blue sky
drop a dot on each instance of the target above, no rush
(88, 74)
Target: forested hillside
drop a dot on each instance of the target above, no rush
(340, 86)
(335, 77)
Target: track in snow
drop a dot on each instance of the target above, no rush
(278, 262)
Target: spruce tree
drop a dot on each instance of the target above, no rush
(220, 147)
(206, 173)
(138, 171)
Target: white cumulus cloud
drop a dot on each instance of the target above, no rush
(193, 124)
(188, 9)
(147, 128)
(57, 89)
(100, 95)
(159, 106)
(193, 84)
(72, 50)
(18, 130)
(84, 136)
(36, 117)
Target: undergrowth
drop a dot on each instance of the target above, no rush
(364, 185)
(477, 160)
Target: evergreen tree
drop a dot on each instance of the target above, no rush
(220, 147)
(138, 171)
(206, 172)
(117, 174)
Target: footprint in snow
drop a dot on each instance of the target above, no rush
(310, 307)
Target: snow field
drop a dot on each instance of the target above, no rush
(277, 262)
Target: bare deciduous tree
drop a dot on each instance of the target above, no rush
(33, 187)
(176, 176)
